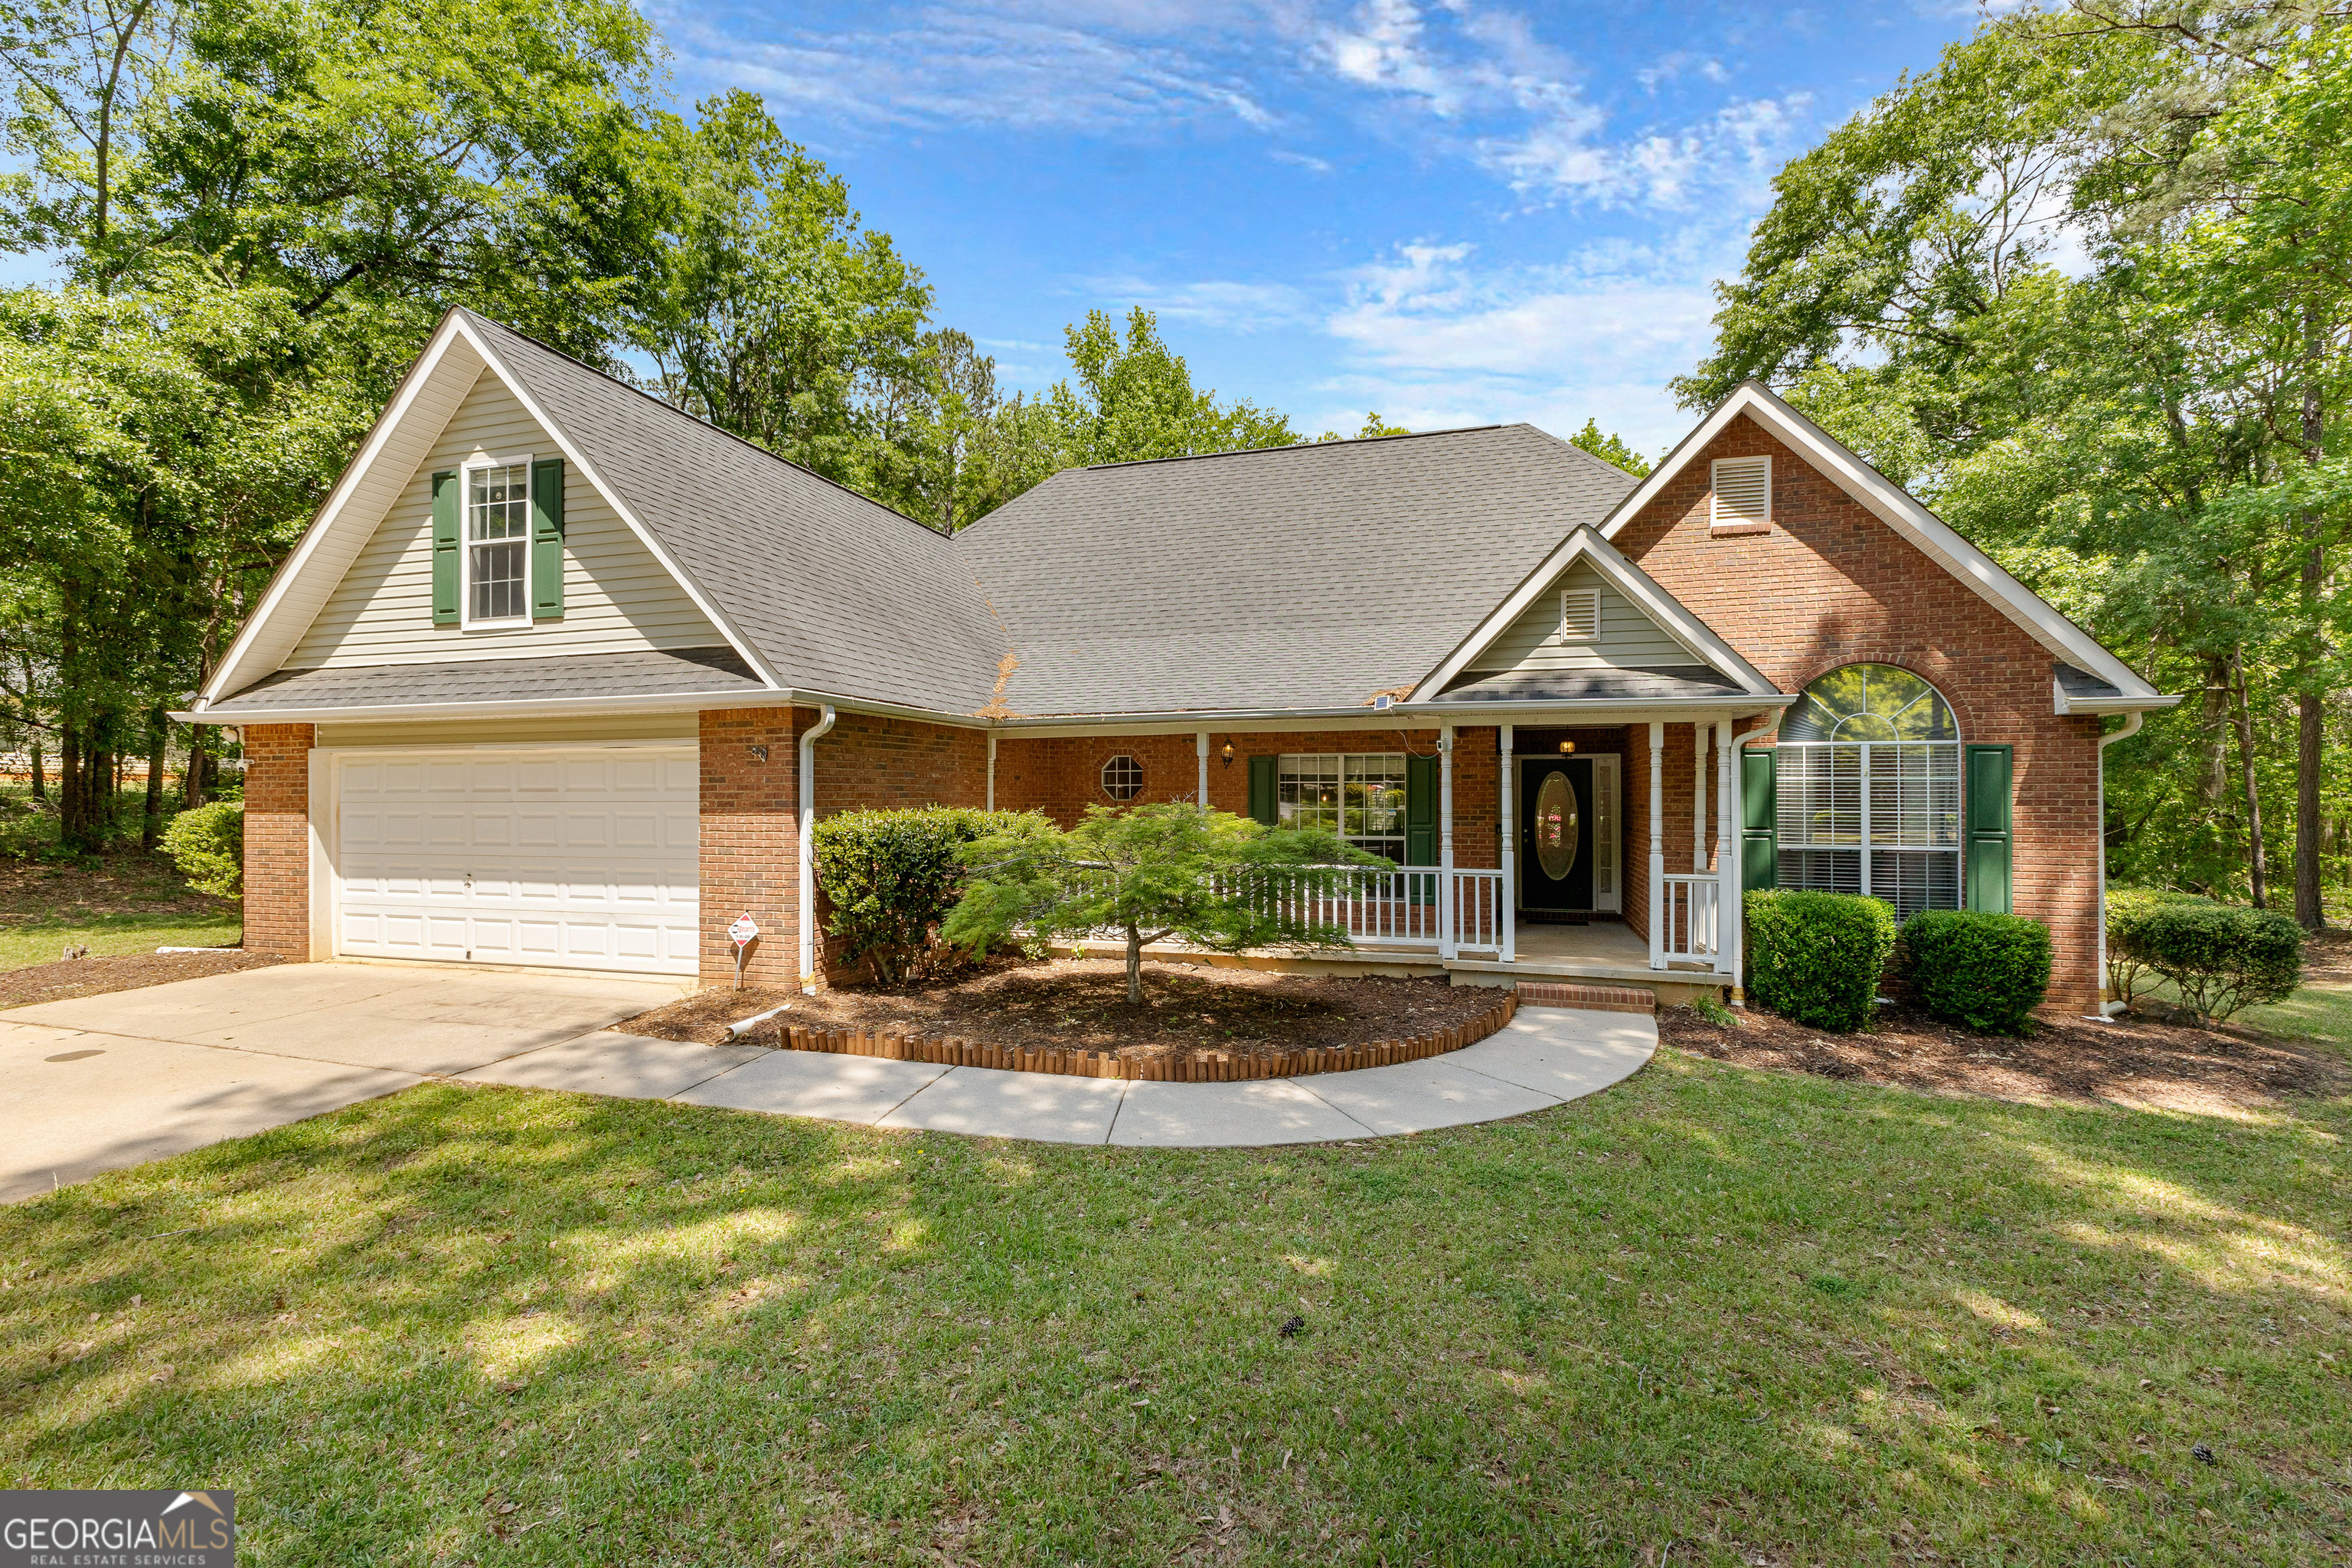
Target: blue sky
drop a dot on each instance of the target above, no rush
(1453, 213)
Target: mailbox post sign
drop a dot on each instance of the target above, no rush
(741, 933)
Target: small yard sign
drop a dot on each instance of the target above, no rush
(741, 933)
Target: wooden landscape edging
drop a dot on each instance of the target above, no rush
(1192, 1066)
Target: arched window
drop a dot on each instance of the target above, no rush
(1869, 780)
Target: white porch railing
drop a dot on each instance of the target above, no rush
(1691, 905)
(1478, 910)
(1376, 908)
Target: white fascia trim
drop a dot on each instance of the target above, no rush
(727, 627)
(1696, 637)
(226, 678)
(1899, 511)
(1615, 710)
(665, 702)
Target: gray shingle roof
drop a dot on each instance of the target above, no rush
(838, 594)
(1593, 685)
(1299, 577)
(669, 672)
(2081, 683)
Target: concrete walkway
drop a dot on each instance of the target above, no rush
(102, 1082)
(1545, 1057)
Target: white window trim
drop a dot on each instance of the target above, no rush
(465, 619)
(1589, 598)
(1715, 518)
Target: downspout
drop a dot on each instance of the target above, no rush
(809, 738)
(2108, 1009)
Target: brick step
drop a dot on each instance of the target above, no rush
(1591, 998)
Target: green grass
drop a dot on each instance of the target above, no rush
(1746, 1316)
(41, 941)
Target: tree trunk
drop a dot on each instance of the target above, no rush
(1134, 966)
(150, 829)
(192, 791)
(2309, 913)
(2241, 717)
(40, 781)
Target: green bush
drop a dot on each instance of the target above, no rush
(1817, 958)
(2128, 908)
(208, 846)
(892, 876)
(2219, 957)
(1978, 968)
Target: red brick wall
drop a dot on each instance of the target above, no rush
(750, 839)
(751, 814)
(277, 838)
(1063, 776)
(1830, 584)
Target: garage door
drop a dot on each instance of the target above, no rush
(577, 858)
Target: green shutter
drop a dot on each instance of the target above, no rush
(447, 493)
(1421, 787)
(1759, 819)
(1986, 784)
(547, 538)
(1263, 803)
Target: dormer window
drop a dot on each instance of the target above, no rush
(498, 544)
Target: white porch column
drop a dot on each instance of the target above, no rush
(1658, 844)
(1727, 858)
(1507, 820)
(991, 770)
(1200, 752)
(1447, 945)
(1699, 794)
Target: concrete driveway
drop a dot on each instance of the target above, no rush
(102, 1082)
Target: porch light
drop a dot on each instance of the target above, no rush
(1568, 748)
(1228, 754)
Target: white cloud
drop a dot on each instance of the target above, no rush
(1217, 303)
(1306, 160)
(948, 66)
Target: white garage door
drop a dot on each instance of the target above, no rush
(577, 858)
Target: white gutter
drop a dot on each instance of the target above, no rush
(2132, 720)
(809, 738)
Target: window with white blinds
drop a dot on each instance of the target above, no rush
(1869, 783)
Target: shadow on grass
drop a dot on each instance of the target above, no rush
(1750, 1313)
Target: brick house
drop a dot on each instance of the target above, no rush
(562, 677)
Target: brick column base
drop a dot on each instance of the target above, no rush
(277, 838)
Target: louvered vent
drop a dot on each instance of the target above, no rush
(1743, 492)
(1579, 615)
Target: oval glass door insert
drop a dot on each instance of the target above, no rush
(1556, 827)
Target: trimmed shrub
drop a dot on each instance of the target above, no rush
(892, 876)
(1817, 958)
(208, 846)
(2127, 908)
(1978, 968)
(2222, 958)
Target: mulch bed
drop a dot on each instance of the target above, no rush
(2137, 1061)
(1080, 1006)
(96, 976)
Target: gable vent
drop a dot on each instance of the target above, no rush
(1743, 493)
(1579, 615)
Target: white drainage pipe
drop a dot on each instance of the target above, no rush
(809, 738)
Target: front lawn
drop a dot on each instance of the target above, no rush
(1712, 1315)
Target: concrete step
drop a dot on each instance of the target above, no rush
(1592, 998)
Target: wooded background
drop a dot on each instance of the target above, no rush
(2085, 287)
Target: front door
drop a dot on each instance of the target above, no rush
(1556, 827)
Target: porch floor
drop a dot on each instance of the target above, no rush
(1608, 949)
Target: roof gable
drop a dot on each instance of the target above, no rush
(460, 354)
(1583, 553)
(1896, 507)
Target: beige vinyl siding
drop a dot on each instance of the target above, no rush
(582, 728)
(616, 596)
(1629, 639)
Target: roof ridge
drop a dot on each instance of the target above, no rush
(1292, 446)
(669, 407)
